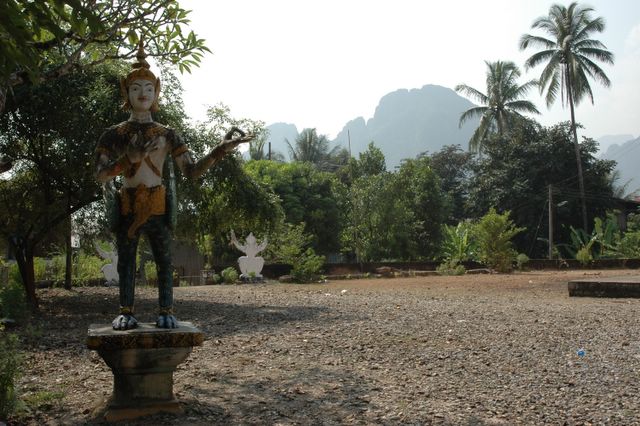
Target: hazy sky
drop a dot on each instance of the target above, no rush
(322, 63)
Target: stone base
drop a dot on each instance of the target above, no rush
(118, 414)
(143, 361)
(627, 286)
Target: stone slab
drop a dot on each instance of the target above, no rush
(145, 336)
(614, 287)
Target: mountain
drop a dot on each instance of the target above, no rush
(609, 140)
(409, 122)
(627, 156)
(405, 124)
(278, 133)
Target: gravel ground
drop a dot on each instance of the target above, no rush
(468, 350)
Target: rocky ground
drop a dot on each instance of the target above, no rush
(468, 350)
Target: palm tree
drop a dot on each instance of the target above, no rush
(313, 148)
(569, 55)
(501, 105)
(257, 149)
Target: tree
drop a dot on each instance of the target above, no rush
(501, 105)
(454, 167)
(306, 195)
(394, 215)
(257, 149)
(226, 197)
(515, 174)
(45, 40)
(49, 130)
(570, 56)
(309, 147)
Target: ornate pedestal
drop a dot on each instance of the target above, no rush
(143, 361)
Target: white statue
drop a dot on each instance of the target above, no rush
(250, 265)
(110, 270)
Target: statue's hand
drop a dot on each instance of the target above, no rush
(124, 322)
(230, 142)
(166, 321)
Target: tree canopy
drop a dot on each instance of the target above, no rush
(45, 40)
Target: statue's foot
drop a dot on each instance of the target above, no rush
(166, 321)
(124, 322)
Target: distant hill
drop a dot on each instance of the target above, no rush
(405, 124)
(627, 155)
(607, 141)
(278, 132)
(409, 122)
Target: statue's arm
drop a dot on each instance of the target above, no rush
(107, 167)
(194, 169)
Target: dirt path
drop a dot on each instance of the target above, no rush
(471, 350)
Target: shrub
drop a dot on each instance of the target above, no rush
(150, 270)
(12, 301)
(521, 260)
(307, 266)
(451, 267)
(493, 235)
(229, 275)
(217, 279)
(457, 242)
(9, 371)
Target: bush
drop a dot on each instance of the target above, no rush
(306, 266)
(521, 260)
(217, 279)
(451, 267)
(9, 371)
(229, 275)
(493, 235)
(13, 303)
(150, 270)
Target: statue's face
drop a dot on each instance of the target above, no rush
(142, 93)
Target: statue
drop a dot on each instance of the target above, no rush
(250, 265)
(110, 270)
(146, 203)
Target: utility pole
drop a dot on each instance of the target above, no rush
(269, 151)
(551, 221)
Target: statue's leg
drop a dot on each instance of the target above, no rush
(160, 241)
(127, 249)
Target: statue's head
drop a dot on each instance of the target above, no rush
(251, 240)
(141, 88)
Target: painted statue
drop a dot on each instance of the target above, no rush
(146, 203)
(110, 270)
(250, 265)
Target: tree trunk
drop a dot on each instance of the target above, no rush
(23, 250)
(69, 254)
(583, 201)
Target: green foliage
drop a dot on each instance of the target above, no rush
(306, 266)
(394, 215)
(521, 260)
(217, 279)
(306, 196)
(10, 361)
(454, 166)
(605, 241)
(289, 244)
(514, 174)
(309, 147)
(150, 270)
(49, 39)
(12, 301)
(502, 103)
(451, 267)
(494, 233)
(229, 275)
(227, 196)
(569, 56)
(458, 244)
